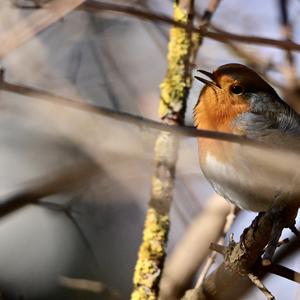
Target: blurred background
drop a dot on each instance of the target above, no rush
(116, 61)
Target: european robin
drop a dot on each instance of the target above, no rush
(237, 100)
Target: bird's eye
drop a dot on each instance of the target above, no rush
(237, 89)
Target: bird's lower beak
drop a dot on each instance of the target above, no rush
(205, 81)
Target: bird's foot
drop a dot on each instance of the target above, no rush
(281, 218)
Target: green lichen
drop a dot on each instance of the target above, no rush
(148, 267)
(174, 90)
(176, 83)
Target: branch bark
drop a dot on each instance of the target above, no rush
(95, 6)
(241, 258)
(174, 91)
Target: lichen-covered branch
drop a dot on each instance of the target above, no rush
(177, 82)
(174, 91)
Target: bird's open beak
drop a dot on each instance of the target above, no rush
(212, 83)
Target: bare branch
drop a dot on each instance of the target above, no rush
(129, 118)
(287, 32)
(26, 5)
(258, 283)
(284, 272)
(95, 6)
(67, 179)
(96, 287)
(35, 23)
(241, 285)
(121, 116)
(192, 250)
(208, 13)
(242, 258)
(229, 219)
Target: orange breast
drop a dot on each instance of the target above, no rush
(216, 112)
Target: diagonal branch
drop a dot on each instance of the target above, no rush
(224, 37)
(90, 286)
(122, 116)
(40, 19)
(67, 179)
(77, 104)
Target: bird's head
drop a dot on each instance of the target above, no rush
(232, 89)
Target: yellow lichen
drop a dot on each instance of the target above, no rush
(141, 293)
(176, 82)
(148, 267)
(174, 89)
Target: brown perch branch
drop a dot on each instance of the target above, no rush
(243, 258)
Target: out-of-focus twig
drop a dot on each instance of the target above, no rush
(95, 6)
(96, 287)
(40, 19)
(289, 69)
(67, 179)
(211, 259)
(124, 117)
(191, 251)
(259, 63)
(287, 32)
(68, 211)
(208, 13)
(26, 4)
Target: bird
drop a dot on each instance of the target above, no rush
(237, 100)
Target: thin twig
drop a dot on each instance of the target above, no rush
(258, 283)
(209, 12)
(284, 272)
(276, 269)
(95, 6)
(25, 5)
(96, 287)
(187, 131)
(211, 259)
(122, 116)
(191, 251)
(287, 32)
(241, 258)
(209, 262)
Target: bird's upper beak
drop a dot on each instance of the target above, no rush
(212, 83)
